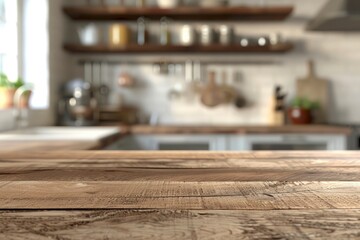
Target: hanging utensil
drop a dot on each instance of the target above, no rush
(211, 96)
(125, 79)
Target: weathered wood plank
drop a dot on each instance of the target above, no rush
(288, 129)
(179, 174)
(179, 195)
(264, 155)
(168, 224)
(168, 160)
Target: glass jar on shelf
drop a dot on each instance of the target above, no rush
(142, 31)
(165, 34)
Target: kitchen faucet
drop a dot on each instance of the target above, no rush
(20, 112)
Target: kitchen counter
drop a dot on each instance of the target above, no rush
(101, 143)
(287, 129)
(58, 139)
(50, 145)
(178, 195)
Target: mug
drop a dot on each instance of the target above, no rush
(119, 35)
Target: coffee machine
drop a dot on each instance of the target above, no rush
(78, 105)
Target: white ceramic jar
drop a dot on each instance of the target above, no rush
(226, 35)
(89, 34)
(207, 35)
(187, 35)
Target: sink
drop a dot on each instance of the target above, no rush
(59, 134)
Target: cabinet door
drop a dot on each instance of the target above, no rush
(273, 142)
(132, 143)
(189, 142)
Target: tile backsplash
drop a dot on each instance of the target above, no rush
(337, 58)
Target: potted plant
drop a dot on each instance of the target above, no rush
(300, 111)
(7, 92)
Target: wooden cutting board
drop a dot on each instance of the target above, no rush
(315, 89)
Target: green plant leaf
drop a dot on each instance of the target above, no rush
(304, 103)
(6, 83)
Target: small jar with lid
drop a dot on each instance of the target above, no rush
(207, 35)
(187, 35)
(142, 32)
(119, 35)
(226, 35)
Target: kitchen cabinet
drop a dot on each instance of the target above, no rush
(270, 142)
(233, 142)
(172, 143)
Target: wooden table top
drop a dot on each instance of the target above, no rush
(179, 195)
(287, 129)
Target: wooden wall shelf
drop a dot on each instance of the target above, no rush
(135, 49)
(181, 13)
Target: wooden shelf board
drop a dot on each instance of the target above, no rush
(180, 13)
(157, 49)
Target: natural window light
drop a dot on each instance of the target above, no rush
(9, 54)
(36, 50)
(24, 46)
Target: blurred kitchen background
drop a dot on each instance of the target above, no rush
(183, 63)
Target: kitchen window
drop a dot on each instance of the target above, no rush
(9, 44)
(24, 52)
(24, 45)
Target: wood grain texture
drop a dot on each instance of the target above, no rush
(179, 174)
(179, 195)
(300, 129)
(180, 13)
(169, 224)
(179, 49)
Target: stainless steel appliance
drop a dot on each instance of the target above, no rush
(78, 106)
